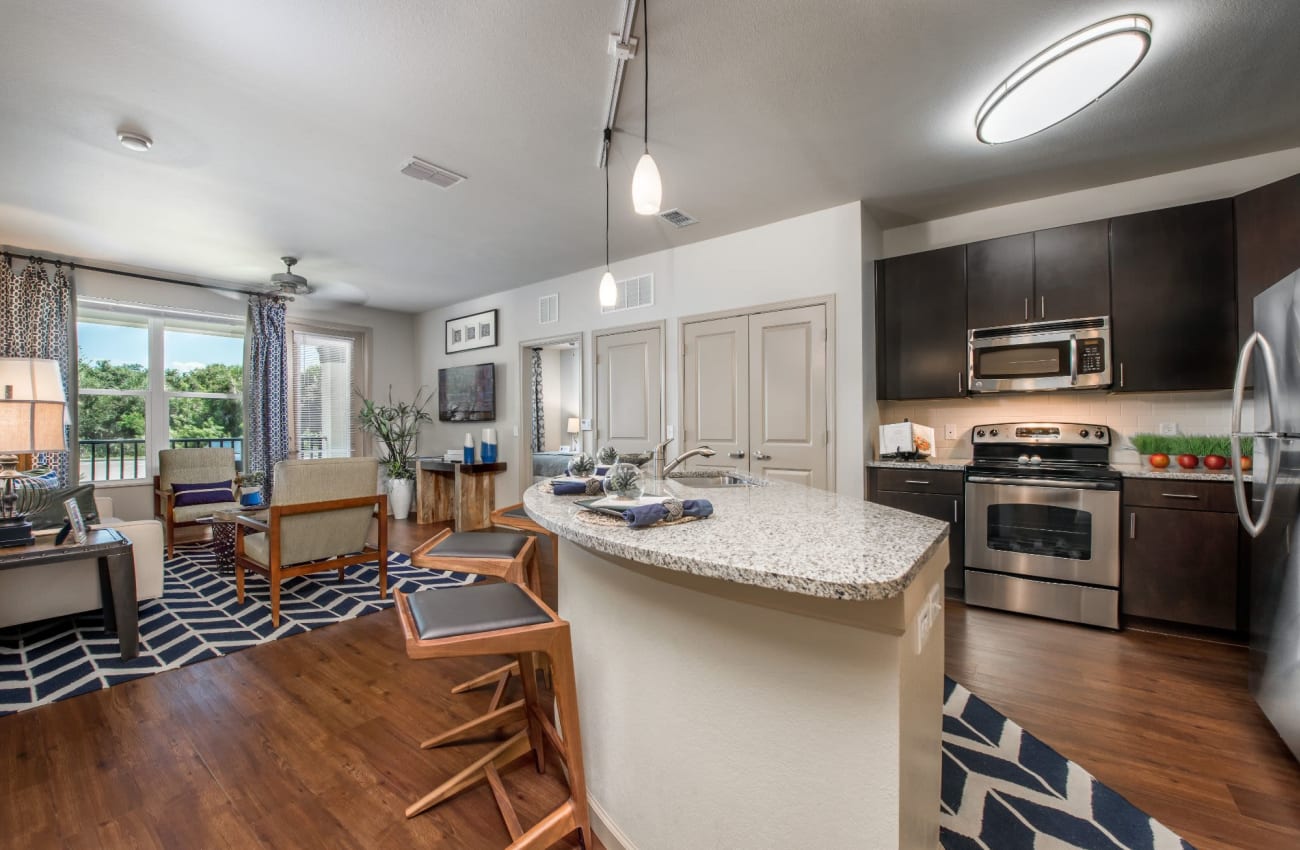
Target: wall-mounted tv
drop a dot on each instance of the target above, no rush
(468, 393)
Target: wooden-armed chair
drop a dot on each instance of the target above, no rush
(319, 519)
(192, 468)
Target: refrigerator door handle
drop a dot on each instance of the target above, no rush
(1253, 527)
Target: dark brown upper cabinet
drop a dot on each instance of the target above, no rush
(921, 325)
(1268, 244)
(1061, 273)
(1173, 298)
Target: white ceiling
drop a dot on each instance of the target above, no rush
(280, 125)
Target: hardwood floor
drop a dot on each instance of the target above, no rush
(1165, 721)
(312, 741)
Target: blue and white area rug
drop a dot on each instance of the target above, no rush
(196, 618)
(1003, 789)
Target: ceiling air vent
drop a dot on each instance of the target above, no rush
(633, 293)
(548, 309)
(424, 170)
(677, 218)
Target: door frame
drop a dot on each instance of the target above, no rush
(826, 301)
(662, 327)
(525, 439)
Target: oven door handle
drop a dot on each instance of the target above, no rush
(1074, 359)
(1042, 482)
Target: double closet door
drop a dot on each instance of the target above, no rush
(755, 391)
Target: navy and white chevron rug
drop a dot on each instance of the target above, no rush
(1003, 789)
(196, 618)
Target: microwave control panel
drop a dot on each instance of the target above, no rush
(1092, 356)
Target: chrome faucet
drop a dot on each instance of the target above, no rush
(698, 451)
(659, 453)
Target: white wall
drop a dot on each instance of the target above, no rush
(820, 253)
(392, 341)
(552, 406)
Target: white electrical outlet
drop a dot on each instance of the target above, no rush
(1168, 429)
(516, 430)
(669, 432)
(584, 425)
(950, 432)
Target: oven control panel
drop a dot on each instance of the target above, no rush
(1041, 433)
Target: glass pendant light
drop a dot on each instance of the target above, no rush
(608, 289)
(647, 188)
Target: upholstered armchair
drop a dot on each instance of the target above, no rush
(190, 485)
(319, 519)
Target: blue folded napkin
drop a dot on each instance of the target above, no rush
(646, 515)
(569, 488)
(601, 470)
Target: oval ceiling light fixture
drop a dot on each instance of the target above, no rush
(1063, 79)
(134, 141)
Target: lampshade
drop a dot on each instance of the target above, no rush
(647, 188)
(573, 425)
(31, 406)
(608, 290)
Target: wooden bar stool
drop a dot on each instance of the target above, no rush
(514, 516)
(493, 619)
(509, 557)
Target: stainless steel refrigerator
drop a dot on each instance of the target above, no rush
(1272, 514)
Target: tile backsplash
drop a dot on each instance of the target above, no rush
(1125, 414)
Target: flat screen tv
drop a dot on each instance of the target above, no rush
(468, 393)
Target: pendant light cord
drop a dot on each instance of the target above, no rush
(645, 45)
(608, 134)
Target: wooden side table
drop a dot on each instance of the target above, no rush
(116, 578)
(464, 493)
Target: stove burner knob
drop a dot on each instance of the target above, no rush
(979, 433)
(1100, 433)
(1035, 459)
(1023, 459)
(993, 432)
(1083, 432)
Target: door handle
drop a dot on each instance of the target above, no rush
(761, 456)
(736, 455)
(1074, 359)
(1121, 374)
(1026, 309)
(954, 511)
(1254, 526)
(959, 389)
(1132, 525)
(1042, 306)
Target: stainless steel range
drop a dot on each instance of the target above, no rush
(1042, 521)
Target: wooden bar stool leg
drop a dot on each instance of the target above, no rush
(487, 678)
(566, 704)
(492, 720)
(532, 701)
(500, 755)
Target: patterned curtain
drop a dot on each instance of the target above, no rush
(539, 423)
(35, 321)
(266, 387)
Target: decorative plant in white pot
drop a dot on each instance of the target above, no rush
(397, 426)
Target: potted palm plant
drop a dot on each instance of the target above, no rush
(397, 427)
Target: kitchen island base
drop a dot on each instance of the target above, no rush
(724, 715)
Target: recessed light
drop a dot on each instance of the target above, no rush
(137, 142)
(1063, 79)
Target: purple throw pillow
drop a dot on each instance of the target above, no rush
(203, 494)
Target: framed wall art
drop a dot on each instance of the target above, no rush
(470, 332)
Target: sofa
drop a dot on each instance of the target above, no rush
(28, 594)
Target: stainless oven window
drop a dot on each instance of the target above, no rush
(1021, 361)
(1045, 530)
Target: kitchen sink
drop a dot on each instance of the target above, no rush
(724, 479)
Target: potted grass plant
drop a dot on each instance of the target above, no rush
(396, 425)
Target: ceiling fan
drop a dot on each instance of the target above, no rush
(288, 283)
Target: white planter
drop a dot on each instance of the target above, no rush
(400, 491)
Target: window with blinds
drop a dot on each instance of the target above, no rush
(326, 366)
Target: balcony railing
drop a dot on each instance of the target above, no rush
(126, 459)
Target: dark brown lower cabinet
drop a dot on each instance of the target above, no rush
(1181, 566)
(937, 494)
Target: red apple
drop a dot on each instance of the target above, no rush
(1159, 460)
(1216, 462)
(1246, 463)
(1189, 461)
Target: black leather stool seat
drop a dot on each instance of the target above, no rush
(518, 513)
(443, 613)
(491, 544)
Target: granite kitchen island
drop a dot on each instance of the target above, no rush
(770, 677)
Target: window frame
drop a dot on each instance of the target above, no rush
(363, 445)
(157, 406)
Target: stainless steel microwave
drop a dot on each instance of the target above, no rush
(1063, 355)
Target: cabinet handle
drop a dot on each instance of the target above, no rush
(1121, 374)
(1132, 526)
(916, 481)
(738, 454)
(761, 456)
(1179, 496)
(959, 390)
(954, 511)
(1026, 309)
(1042, 306)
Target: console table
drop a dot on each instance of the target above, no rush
(116, 577)
(464, 493)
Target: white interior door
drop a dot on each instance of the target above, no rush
(629, 389)
(715, 390)
(788, 435)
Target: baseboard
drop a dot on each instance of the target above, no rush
(608, 833)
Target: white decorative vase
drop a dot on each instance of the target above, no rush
(399, 496)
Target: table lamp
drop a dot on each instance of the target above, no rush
(31, 420)
(573, 432)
